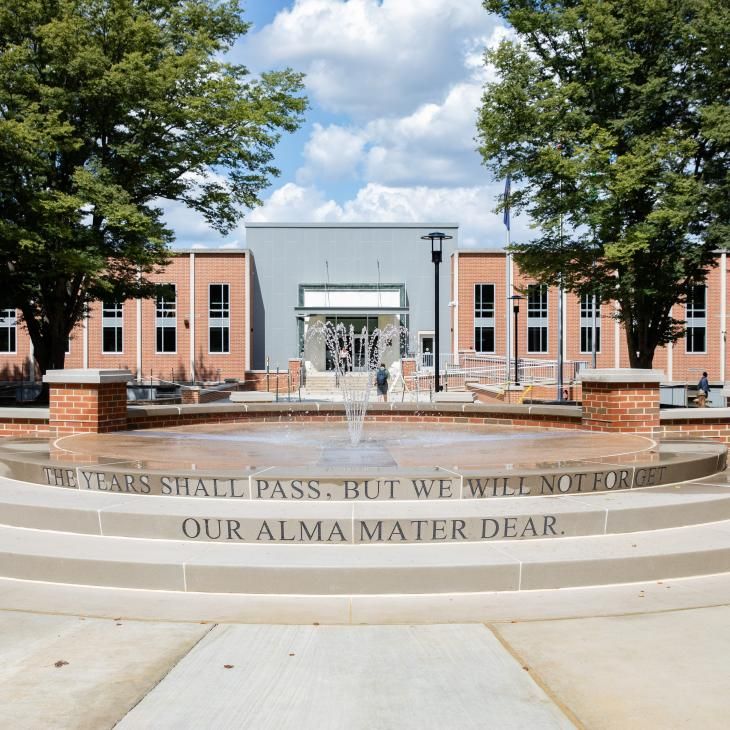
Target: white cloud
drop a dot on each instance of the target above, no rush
(471, 207)
(407, 78)
(332, 152)
(371, 58)
(294, 203)
(431, 144)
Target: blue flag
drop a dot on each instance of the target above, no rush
(507, 190)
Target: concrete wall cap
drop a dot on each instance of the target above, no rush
(453, 397)
(140, 411)
(695, 414)
(562, 411)
(31, 413)
(252, 396)
(622, 375)
(86, 375)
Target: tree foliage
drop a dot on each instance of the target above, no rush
(107, 108)
(612, 118)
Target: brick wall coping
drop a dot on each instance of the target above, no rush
(622, 375)
(83, 376)
(569, 412)
(695, 414)
(31, 414)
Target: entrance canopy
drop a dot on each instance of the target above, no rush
(349, 298)
(364, 307)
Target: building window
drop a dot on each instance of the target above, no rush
(537, 318)
(8, 331)
(219, 318)
(586, 323)
(112, 328)
(696, 337)
(166, 318)
(484, 317)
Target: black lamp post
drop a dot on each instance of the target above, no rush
(516, 309)
(437, 241)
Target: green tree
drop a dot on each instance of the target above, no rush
(612, 118)
(107, 108)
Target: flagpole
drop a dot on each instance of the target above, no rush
(509, 287)
(508, 314)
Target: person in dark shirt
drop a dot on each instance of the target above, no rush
(703, 390)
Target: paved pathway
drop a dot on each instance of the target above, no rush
(658, 670)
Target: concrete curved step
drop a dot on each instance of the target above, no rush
(670, 463)
(167, 565)
(391, 522)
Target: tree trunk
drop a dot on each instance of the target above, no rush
(49, 340)
(641, 346)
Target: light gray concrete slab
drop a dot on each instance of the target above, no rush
(621, 599)
(359, 678)
(87, 375)
(657, 671)
(622, 375)
(110, 666)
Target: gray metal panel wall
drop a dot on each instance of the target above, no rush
(288, 255)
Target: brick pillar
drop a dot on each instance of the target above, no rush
(621, 399)
(87, 401)
(296, 370)
(408, 366)
(190, 394)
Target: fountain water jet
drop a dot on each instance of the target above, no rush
(340, 342)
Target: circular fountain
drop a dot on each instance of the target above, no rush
(278, 516)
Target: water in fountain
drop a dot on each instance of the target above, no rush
(355, 380)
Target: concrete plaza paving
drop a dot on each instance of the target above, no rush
(662, 669)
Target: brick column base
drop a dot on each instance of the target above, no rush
(621, 400)
(87, 401)
(296, 372)
(408, 366)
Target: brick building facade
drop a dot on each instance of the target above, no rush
(195, 329)
(474, 270)
(203, 323)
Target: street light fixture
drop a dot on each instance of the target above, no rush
(437, 242)
(515, 298)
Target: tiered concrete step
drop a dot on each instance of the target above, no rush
(170, 565)
(221, 546)
(327, 382)
(361, 522)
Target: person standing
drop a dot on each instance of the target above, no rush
(381, 381)
(703, 390)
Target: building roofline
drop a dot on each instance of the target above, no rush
(464, 249)
(431, 225)
(175, 251)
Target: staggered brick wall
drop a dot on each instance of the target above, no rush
(26, 427)
(431, 415)
(609, 404)
(625, 407)
(88, 407)
(198, 394)
(717, 428)
(259, 380)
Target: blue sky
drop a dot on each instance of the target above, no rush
(394, 86)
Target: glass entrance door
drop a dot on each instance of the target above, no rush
(357, 346)
(360, 347)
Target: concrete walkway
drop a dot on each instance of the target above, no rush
(656, 670)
